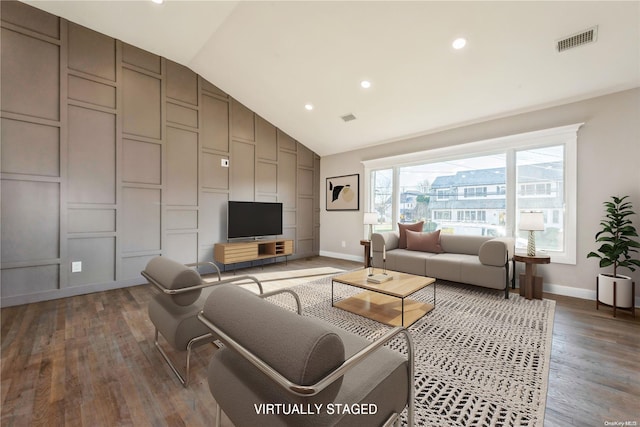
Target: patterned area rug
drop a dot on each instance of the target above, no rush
(481, 360)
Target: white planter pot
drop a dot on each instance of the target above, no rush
(624, 290)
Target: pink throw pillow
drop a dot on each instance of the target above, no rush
(402, 241)
(425, 242)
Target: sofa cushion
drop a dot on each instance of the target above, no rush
(425, 242)
(412, 262)
(461, 244)
(402, 241)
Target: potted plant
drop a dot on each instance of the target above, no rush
(618, 239)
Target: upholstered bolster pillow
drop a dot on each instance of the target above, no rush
(301, 349)
(388, 239)
(173, 275)
(493, 252)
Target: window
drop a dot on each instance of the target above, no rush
(479, 188)
(382, 201)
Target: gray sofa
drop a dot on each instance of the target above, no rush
(476, 260)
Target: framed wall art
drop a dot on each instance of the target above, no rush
(343, 193)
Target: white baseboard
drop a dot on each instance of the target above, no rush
(569, 291)
(339, 255)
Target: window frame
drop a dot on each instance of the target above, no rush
(562, 135)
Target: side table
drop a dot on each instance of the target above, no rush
(530, 284)
(367, 252)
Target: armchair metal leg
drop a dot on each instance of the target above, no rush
(184, 380)
(218, 415)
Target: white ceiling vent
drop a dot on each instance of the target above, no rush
(348, 117)
(579, 39)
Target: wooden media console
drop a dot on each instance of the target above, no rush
(236, 252)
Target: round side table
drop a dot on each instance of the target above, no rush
(530, 284)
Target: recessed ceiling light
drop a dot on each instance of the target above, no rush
(158, 1)
(459, 43)
(308, 107)
(365, 84)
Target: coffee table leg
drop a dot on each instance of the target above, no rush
(402, 313)
(332, 293)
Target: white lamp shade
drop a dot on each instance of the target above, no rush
(370, 218)
(532, 221)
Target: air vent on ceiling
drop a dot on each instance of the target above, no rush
(579, 39)
(348, 117)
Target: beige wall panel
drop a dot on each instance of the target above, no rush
(182, 115)
(266, 138)
(182, 83)
(214, 126)
(289, 218)
(141, 162)
(91, 220)
(213, 218)
(30, 18)
(212, 88)
(92, 92)
(132, 266)
(182, 167)
(30, 72)
(140, 58)
(287, 179)
(267, 178)
(29, 280)
(305, 182)
(91, 156)
(29, 148)
(30, 215)
(182, 247)
(304, 246)
(305, 156)
(286, 142)
(213, 174)
(242, 125)
(305, 218)
(91, 52)
(140, 219)
(266, 198)
(181, 219)
(242, 171)
(290, 233)
(97, 255)
(141, 104)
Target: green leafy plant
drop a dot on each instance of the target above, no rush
(617, 237)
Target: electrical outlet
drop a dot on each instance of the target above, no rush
(224, 163)
(344, 244)
(76, 266)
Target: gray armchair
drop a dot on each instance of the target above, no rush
(173, 311)
(280, 369)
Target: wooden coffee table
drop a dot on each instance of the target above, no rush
(385, 302)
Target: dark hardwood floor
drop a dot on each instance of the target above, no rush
(90, 361)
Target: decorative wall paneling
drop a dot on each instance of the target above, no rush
(112, 155)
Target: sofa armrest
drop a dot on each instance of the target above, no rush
(388, 239)
(496, 252)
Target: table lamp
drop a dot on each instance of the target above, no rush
(370, 218)
(531, 222)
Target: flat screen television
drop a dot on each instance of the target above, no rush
(253, 219)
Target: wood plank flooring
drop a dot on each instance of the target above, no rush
(90, 361)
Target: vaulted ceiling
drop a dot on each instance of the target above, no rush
(277, 56)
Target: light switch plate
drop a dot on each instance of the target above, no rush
(224, 163)
(76, 266)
